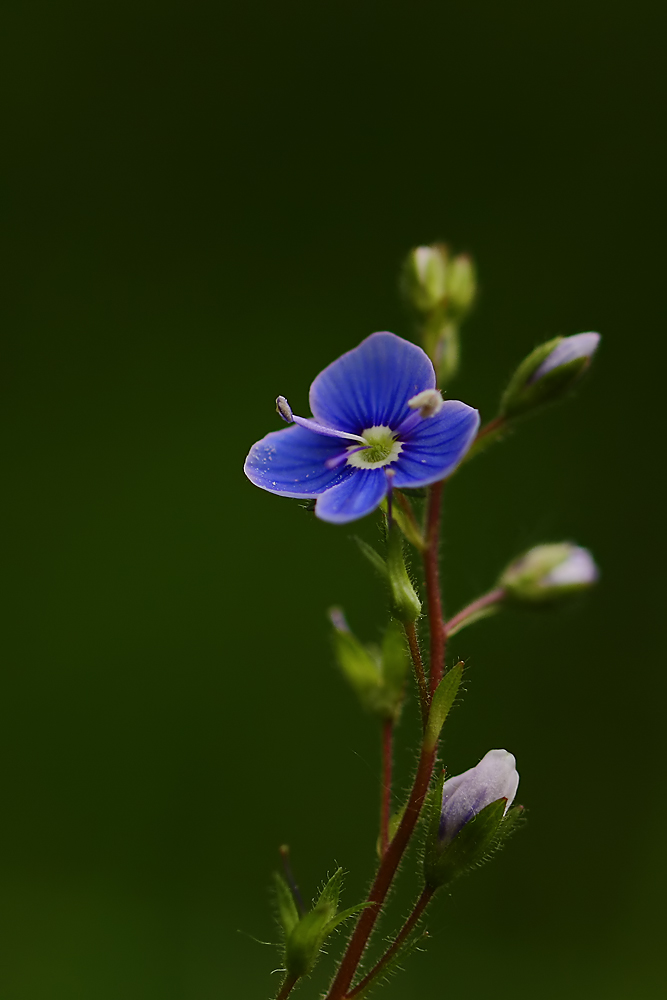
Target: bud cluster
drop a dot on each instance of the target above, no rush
(441, 288)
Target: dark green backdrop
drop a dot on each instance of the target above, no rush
(205, 203)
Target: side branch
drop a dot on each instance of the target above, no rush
(405, 930)
(385, 876)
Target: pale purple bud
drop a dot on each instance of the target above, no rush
(580, 345)
(578, 569)
(465, 795)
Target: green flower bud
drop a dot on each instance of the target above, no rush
(406, 605)
(424, 277)
(461, 285)
(548, 372)
(549, 573)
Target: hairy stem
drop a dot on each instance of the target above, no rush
(432, 576)
(418, 664)
(385, 876)
(405, 930)
(486, 601)
(396, 848)
(387, 763)
(287, 987)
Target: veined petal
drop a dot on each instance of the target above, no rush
(370, 385)
(291, 462)
(436, 446)
(355, 497)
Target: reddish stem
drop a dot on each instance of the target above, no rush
(387, 762)
(385, 876)
(418, 663)
(493, 597)
(432, 575)
(414, 917)
(492, 425)
(287, 987)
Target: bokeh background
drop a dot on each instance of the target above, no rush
(204, 204)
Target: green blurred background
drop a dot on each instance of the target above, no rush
(204, 204)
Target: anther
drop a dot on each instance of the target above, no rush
(429, 402)
(284, 409)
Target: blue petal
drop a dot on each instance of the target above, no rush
(436, 446)
(371, 385)
(357, 496)
(291, 462)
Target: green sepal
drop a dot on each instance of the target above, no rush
(522, 396)
(288, 915)
(360, 668)
(330, 893)
(304, 944)
(374, 558)
(473, 845)
(406, 605)
(443, 699)
(395, 667)
(410, 530)
(376, 675)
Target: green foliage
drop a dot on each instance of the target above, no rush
(406, 605)
(306, 934)
(481, 836)
(377, 675)
(443, 699)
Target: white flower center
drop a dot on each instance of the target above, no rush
(382, 449)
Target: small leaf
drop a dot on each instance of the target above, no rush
(443, 699)
(288, 914)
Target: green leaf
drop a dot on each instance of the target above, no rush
(288, 914)
(443, 699)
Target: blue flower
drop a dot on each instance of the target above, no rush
(376, 412)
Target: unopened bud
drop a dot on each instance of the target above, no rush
(424, 277)
(429, 402)
(548, 372)
(472, 817)
(549, 573)
(461, 284)
(406, 605)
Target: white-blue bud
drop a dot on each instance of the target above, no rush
(547, 573)
(465, 795)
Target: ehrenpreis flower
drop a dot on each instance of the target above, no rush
(375, 409)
